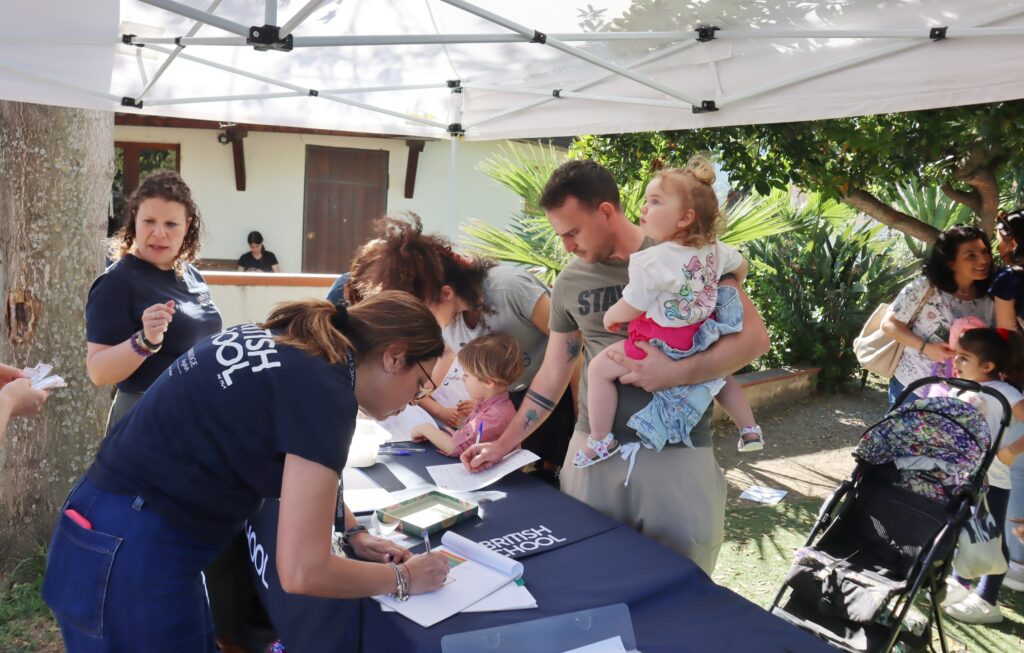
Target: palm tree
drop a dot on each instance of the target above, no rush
(531, 242)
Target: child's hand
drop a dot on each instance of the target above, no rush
(465, 407)
(1006, 456)
(450, 417)
(418, 437)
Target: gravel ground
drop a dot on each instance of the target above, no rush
(807, 444)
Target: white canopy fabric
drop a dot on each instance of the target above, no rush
(381, 68)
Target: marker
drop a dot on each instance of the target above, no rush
(426, 539)
(479, 431)
(77, 517)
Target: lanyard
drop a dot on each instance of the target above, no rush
(339, 514)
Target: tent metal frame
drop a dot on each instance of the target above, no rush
(270, 36)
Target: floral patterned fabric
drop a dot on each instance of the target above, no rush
(932, 323)
(941, 428)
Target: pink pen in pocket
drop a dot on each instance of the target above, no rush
(77, 517)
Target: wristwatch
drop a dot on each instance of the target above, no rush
(355, 530)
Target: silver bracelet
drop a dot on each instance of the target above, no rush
(401, 592)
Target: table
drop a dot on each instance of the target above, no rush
(574, 558)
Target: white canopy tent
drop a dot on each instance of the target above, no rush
(492, 69)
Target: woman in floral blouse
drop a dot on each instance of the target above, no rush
(958, 271)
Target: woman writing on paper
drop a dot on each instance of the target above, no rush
(252, 413)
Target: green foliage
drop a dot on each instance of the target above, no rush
(915, 149)
(531, 242)
(816, 287)
(931, 206)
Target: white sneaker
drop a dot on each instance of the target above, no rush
(975, 610)
(1015, 577)
(955, 592)
(751, 439)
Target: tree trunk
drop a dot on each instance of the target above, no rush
(56, 166)
(873, 207)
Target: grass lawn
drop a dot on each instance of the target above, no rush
(761, 539)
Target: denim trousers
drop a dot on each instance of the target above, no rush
(1015, 510)
(895, 388)
(131, 582)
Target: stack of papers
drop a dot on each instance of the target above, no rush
(475, 574)
(42, 379)
(457, 479)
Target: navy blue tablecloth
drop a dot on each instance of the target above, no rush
(583, 560)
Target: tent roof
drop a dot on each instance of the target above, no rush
(618, 66)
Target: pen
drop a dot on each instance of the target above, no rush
(426, 539)
(479, 431)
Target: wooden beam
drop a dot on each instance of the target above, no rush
(139, 120)
(236, 135)
(415, 147)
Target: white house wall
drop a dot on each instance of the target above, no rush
(275, 176)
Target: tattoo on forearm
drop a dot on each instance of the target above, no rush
(540, 400)
(572, 349)
(531, 418)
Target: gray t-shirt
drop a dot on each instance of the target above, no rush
(582, 294)
(510, 296)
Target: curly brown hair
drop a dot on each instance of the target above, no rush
(403, 258)
(169, 186)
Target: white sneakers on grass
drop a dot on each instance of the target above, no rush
(975, 610)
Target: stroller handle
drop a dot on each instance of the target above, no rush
(962, 384)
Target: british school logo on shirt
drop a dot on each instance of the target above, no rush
(246, 347)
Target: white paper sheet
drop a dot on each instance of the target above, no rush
(768, 495)
(41, 378)
(610, 645)
(508, 597)
(455, 477)
(401, 425)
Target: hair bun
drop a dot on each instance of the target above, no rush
(702, 169)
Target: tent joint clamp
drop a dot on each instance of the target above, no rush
(131, 102)
(706, 33)
(455, 129)
(937, 33)
(129, 39)
(539, 37)
(314, 93)
(268, 37)
(556, 93)
(706, 106)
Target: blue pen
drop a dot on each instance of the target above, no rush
(426, 539)
(479, 431)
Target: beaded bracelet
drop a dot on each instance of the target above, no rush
(137, 346)
(401, 592)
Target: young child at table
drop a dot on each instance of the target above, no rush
(993, 358)
(670, 303)
(490, 363)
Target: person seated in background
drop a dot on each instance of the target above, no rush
(18, 397)
(490, 364)
(257, 259)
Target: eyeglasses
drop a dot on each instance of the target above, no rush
(424, 391)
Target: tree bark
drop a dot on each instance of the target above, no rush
(56, 167)
(870, 205)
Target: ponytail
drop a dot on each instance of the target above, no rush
(322, 329)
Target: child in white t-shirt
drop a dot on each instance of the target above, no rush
(670, 301)
(992, 357)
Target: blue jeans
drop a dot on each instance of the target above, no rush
(895, 388)
(133, 582)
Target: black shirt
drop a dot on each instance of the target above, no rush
(265, 263)
(121, 294)
(206, 444)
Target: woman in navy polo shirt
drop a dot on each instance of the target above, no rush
(151, 305)
(252, 413)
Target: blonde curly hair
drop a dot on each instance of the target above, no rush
(694, 184)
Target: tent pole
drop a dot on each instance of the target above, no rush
(202, 16)
(300, 15)
(302, 90)
(286, 94)
(455, 132)
(167, 62)
(270, 12)
(593, 81)
(864, 58)
(571, 51)
(559, 93)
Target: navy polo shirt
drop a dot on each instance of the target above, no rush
(121, 294)
(206, 443)
(1009, 285)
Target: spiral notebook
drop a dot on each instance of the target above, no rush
(475, 572)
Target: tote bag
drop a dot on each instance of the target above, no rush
(876, 351)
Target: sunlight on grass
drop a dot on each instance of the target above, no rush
(760, 540)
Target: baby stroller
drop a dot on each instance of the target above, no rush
(891, 529)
